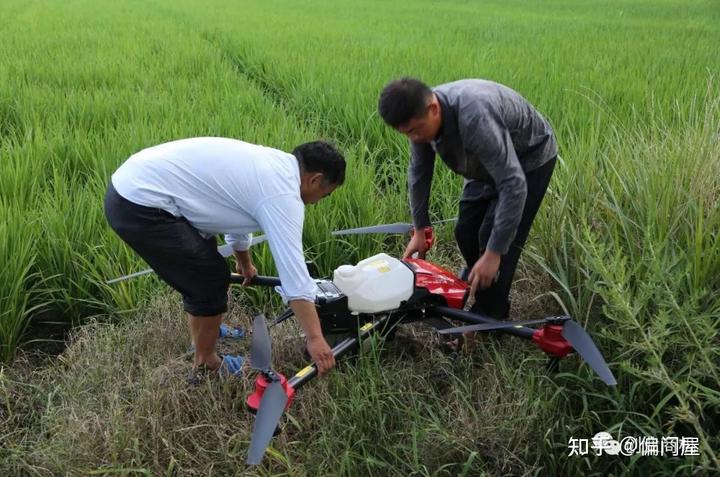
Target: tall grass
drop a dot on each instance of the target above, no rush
(18, 254)
(636, 257)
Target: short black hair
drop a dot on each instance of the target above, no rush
(402, 100)
(321, 156)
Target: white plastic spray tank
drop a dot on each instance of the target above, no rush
(375, 284)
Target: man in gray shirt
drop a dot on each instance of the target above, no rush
(505, 150)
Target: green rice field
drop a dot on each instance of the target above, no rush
(627, 240)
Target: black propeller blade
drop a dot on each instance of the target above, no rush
(274, 399)
(271, 409)
(575, 334)
(492, 326)
(585, 347)
(260, 349)
(128, 277)
(396, 228)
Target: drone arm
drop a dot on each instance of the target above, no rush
(257, 280)
(349, 344)
(284, 316)
(474, 318)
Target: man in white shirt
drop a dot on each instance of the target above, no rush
(169, 201)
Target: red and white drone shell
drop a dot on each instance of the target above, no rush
(439, 281)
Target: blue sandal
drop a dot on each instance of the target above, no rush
(226, 333)
(234, 333)
(229, 367)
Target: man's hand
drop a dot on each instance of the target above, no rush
(317, 347)
(321, 354)
(484, 272)
(244, 266)
(417, 244)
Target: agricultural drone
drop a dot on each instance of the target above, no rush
(373, 297)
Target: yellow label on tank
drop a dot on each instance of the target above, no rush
(366, 326)
(380, 265)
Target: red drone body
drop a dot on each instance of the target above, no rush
(439, 281)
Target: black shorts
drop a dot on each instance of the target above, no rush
(176, 251)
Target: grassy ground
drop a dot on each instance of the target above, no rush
(627, 241)
(123, 406)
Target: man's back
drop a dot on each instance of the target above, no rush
(215, 183)
(477, 106)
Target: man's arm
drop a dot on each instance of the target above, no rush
(420, 174)
(245, 266)
(239, 242)
(281, 218)
(317, 347)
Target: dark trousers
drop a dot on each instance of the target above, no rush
(175, 250)
(473, 231)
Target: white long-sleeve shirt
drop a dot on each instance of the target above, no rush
(231, 187)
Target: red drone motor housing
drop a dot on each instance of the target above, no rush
(439, 281)
(550, 339)
(261, 384)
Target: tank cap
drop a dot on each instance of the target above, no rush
(345, 271)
